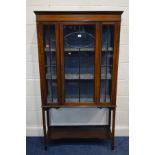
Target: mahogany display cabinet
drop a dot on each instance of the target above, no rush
(78, 62)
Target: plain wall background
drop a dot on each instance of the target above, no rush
(80, 115)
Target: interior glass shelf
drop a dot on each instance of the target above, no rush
(52, 90)
(82, 76)
(87, 49)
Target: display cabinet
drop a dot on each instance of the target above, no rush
(78, 61)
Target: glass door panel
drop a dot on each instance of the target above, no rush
(79, 61)
(106, 62)
(50, 63)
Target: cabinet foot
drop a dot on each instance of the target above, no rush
(45, 144)
(113, 143)
(45, 147)
(112, 147)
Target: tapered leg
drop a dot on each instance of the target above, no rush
(44, 130)
(48, 118)
(109, 117)
(113, 128)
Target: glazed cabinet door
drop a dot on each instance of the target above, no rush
(78, 52)
(51, 61)
(106, 64)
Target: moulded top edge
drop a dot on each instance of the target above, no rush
(78, 12)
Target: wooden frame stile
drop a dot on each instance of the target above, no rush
(97, 63)
(58, 63)
(115, 61)
(62, 64)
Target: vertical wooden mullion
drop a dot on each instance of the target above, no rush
(62, 64)
(58, 62)
(115, 62)
(97, 63)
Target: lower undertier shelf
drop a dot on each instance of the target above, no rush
(79, 132)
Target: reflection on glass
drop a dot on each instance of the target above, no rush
(71, 90)
(106, 62)
(79, 55)
(50, 63)
(51, 93)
